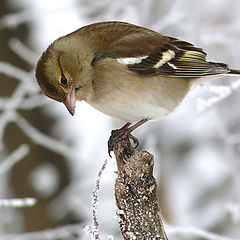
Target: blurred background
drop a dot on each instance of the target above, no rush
(54, 158)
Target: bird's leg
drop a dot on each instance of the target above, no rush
(124, 132)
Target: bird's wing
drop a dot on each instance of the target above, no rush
(147, 52)
(179, 59)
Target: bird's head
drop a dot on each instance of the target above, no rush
(61, 75)
(55, 75)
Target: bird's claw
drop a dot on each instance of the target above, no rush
(118, 135)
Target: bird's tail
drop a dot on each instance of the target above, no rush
(234, 72)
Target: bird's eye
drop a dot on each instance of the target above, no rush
(63, 80)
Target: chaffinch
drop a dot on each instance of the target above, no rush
(125, 71)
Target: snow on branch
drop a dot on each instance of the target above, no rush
(22, 51)
(13, 71)
(136, 194)
(42, 139)
(13, 158)
(93, 231)
(18, 202)
(66, 232)
(13, 20)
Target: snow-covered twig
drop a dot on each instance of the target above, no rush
(66, 232)
(94, 230)
(42, 139)
(18, 202)
(13, 71)
(13, 158)
(22, 51)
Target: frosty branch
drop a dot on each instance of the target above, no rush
(136, 194)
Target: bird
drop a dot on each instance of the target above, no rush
(126, 71)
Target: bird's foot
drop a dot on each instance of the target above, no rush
(119, 135)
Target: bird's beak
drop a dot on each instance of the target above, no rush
(70, 101)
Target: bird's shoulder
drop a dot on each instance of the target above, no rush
(121, 39)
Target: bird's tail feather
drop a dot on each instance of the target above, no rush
(234, 72)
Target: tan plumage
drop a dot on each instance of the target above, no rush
(123, 70)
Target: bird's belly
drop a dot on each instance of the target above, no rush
(130, 109)
(132, 112)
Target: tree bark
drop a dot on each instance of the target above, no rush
(136, 194)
